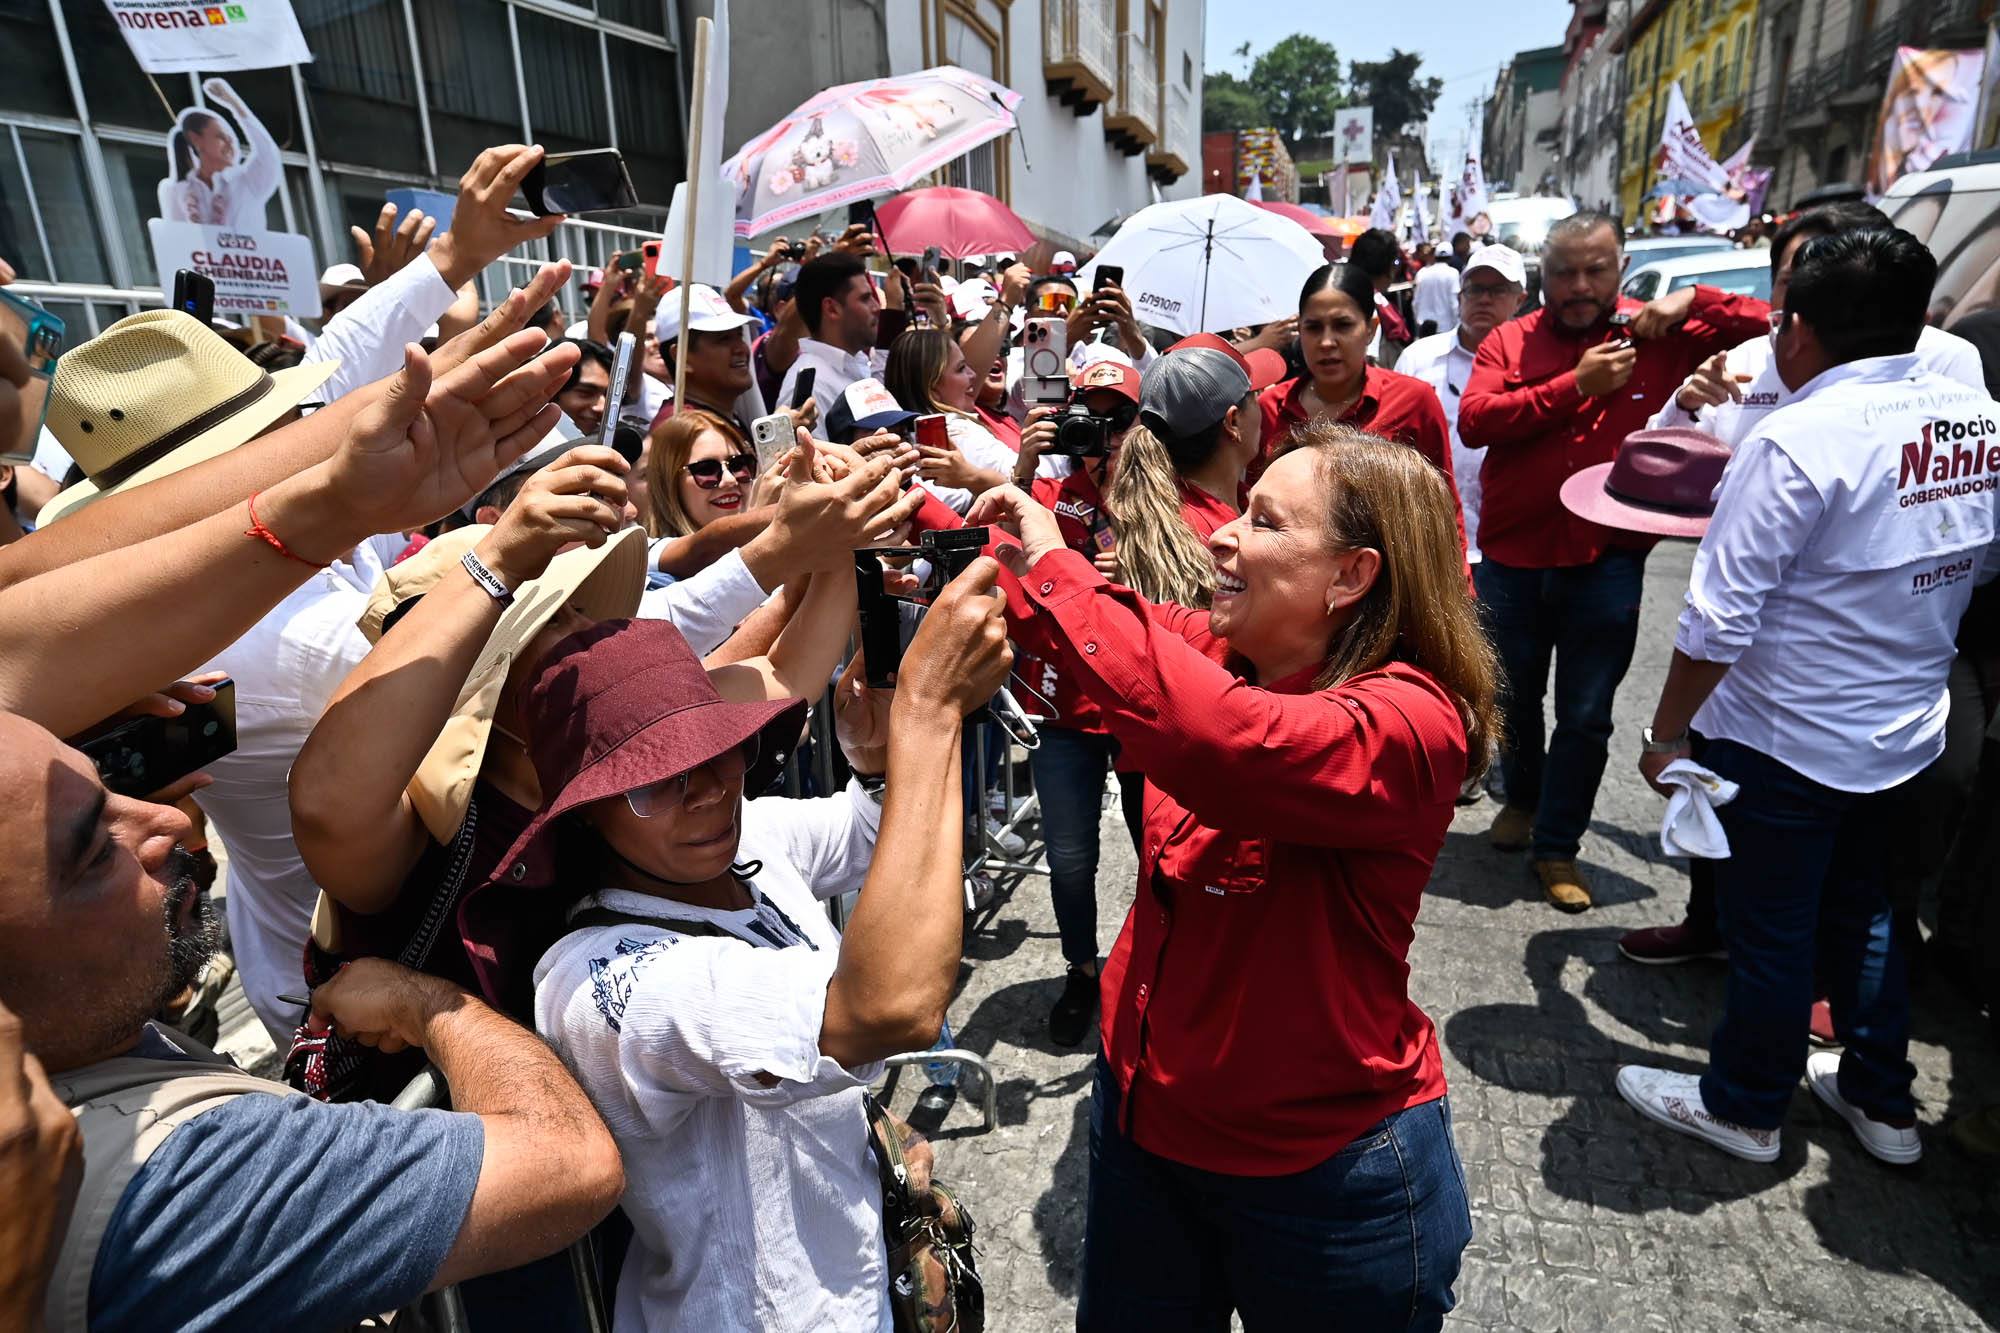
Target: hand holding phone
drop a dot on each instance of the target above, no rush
(802, 387)
(588, 182)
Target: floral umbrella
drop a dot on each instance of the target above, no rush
(862, 140)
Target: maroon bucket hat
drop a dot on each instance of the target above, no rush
(1662, 482)
(622, 705)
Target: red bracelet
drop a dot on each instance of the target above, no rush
(258, 530)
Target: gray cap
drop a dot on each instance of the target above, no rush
(1196, 381)
(533, 461)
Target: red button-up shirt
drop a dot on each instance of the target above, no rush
(1256, 1010)
(1521, 405)
(1396, 407)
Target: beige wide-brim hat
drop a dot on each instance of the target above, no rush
(604, 584)
(158, 392)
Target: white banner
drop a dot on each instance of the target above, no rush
(1354, 134)
(255, 272)
(172, 37)
(715, 225)
(1683, 156)
(1388, 200)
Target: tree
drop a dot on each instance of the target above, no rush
(1392, 87)
(1227, 103)
(1299, 82)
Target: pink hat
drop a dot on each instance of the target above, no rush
(1662, 482)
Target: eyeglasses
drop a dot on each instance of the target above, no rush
(707, 472)
(1777, 322)
(667, 794)
(1488, 292)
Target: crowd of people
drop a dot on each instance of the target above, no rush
(518, 662)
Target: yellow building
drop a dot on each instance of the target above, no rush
(1707, 46)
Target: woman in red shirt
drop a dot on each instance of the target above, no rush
(1269, 1131)
(1336, 321)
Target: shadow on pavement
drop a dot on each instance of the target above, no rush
(1473, 873)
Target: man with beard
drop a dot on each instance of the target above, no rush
(230, 1200)
(1553, 393)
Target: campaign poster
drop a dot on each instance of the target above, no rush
(214, 205)
(174, 37)
(1928, 110)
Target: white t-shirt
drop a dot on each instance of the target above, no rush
(1436, 295)
(755, 1207)
(1443, 362)
(285, 668)
(707, 606)
(368, 337)
(833, 371)
(1945, 353)
(1848, 534)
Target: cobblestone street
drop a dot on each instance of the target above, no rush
(1585, 1216)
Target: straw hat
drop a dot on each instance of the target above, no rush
(606, 582)
(158, 392)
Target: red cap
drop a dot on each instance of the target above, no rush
(1264, 366)
(1113, 375)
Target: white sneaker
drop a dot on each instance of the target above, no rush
(1674, 1100)
(1009, 842)
(1885, 1142)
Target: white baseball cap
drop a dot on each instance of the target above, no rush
(1502, 260)
(707, 313)
(1064, 262)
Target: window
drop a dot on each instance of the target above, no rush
(650, 133)
(118, 91)
(565, 79)
(360, 86)
(1697, 87)
(55, 175)
(468, 79)
(645, 15)
(972, 35)
(31, 67)
(1716, 70)
(1187, 71)
(1741, 62)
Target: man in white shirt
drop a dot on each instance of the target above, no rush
(1812, 656)
(842, 309)
(1494, 286)
(1436, 297)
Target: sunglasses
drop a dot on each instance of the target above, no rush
(707, 472)
(667, 794)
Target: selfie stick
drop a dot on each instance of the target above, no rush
(703, 28)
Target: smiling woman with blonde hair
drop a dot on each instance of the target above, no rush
(1303, 742)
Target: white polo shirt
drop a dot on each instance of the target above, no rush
(756, 1207)
(1436, 295)
(1945, 353)
(1444, 362)
(833, 371)
(1850, 530)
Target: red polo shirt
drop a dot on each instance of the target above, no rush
(1522, 407)
(1396, 407)
(1256, 1009)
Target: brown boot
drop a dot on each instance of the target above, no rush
(1563, 885)
(1511, 829)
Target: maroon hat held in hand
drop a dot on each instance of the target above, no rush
(1662, 482)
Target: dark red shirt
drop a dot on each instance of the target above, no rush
(1256, 1009)
(1521, 405)
(1396, 407)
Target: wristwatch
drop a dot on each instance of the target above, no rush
(1652, 745)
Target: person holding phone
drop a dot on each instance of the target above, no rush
(928, 374)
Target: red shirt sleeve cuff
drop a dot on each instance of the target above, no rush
(1061, 576)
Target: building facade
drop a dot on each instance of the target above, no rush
(1708, 47)
(400, 93)
(1593, 102)
(1820, 73)
(1524, 122)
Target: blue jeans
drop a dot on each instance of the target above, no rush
(1585, 617)
(1369, 1239)
(1069, 768)
(1805, 890)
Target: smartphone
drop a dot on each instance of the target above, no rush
(594, 181)
(1045, 360)
(140, 756)
(933, 432)
(1108, 275)
(933, 261)
(1621, 326)
(626, 353)
(39, 335)
(802, 388)
(863, 213)
(631, 260)
(195, 293)
(651, 252)
(770, 436)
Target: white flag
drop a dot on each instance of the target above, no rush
(1255, 193)
(1388, 199)
(1420, 214)
(1682, 155)
(715, 220)
(1468, 199)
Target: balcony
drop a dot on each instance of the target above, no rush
(1168, 160)
(1132, 118)
(1080, 52)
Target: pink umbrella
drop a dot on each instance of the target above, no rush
(1305, 217)
(958, 222)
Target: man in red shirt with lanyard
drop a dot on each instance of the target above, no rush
(1552, 393)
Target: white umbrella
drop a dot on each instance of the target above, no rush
(1209, 263)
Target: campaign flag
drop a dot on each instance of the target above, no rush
(1420, 214)
(174, 37)
(1354, 134)
(1388, 199)
(1930, 108)
(1682, 154)
(1256, 190)
(1468, 198)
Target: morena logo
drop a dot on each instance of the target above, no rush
(1160, 303)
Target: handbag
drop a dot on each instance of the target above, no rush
(934, 1284)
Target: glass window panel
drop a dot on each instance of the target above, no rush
(565, 84)
(75, 316)
(31, 67)
(647, 15)
(20, 244)
(468, 79)
(118, 91)
(649, 119)
(135, 172)
(55, 169)
(363, 96)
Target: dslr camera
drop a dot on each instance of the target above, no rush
(1081, 433)
(890, 619)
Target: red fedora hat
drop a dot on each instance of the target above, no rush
(1662, 482)
(622, 705)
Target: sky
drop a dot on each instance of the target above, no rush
(1463, 42)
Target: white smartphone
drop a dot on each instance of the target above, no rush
(771, 436)
(626, 351)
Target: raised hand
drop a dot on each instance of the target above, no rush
(578, 498)
(507, 319)
(1712, 383)
(482, 229)
(959, 658)
(392, 246)
(1010, 508)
